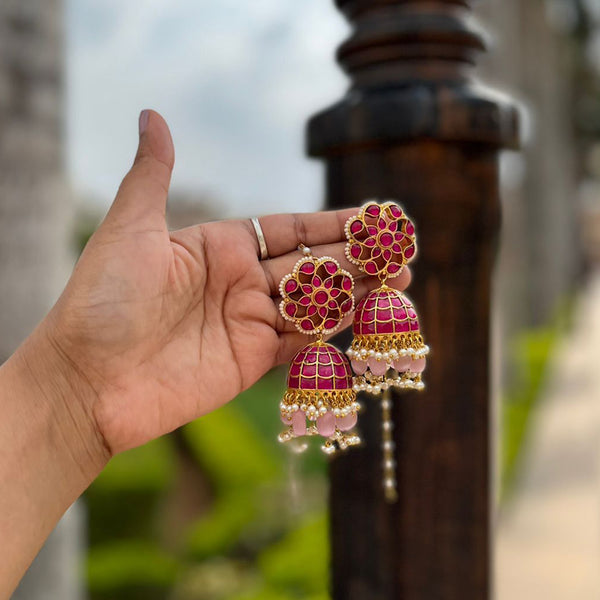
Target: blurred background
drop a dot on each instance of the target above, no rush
(218, 510)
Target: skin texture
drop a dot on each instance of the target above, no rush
(154, 329)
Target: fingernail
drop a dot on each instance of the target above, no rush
(143, 122)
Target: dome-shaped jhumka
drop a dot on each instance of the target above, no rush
(320, 398)
(387, 336)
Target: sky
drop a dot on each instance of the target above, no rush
(235, 80)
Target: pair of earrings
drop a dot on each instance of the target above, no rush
(387, 349)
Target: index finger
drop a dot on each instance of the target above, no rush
(284, 233)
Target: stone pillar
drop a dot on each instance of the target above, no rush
(35, 223)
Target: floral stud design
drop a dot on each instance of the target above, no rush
(317, 295)
(381, 240)
(320, 398)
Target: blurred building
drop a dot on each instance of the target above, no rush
(35, 225)
(540, 249)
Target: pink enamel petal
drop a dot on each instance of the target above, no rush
(417, 365)
(299, 423)
(347, 422)
(378, 367)
(326, 424)
(402, 364)
(359, 366)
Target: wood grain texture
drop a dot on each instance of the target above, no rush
(415, 127)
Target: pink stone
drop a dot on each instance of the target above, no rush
(368, 315)
(299, 423)
(347, 283)
(387, 327)
(347, 422)
(290, 286)
(304, 301)
(330, 267)
(373, 210)
(397, 248)
(393, 226)
(311, 357)
(316, 281)
(411, 312)
(384, 315)
(410, 229)
(347, 305)
(308, 268)
(355, 250)
(307, 325)
(290, 309)
(378, 367)
(387, 255)
(417, 365)
(308, 384)
(386, 239)
(359, 366)
(324, 384)
(293, 382)
(295, 369)
(401, 314)
(341, 370)
(321, 297)
(393, 267)
(395, 210)
(332, 304)
(325, 371)
(414, 326)
(371, 304)
(370, 242)
(371, 268)
(402, 364)
(328, 283)
(326, 424)
(399, 237)
(368, 328)
(409, 251)
(334, 293)
(376, 252)
(356, 226)
(312, 309)
(403, 326)
(309, 370)
(330, 323)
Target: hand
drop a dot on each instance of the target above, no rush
(165, 327)
(153, 330)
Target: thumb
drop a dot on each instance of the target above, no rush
(142, 196)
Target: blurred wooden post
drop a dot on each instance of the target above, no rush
(415, 126)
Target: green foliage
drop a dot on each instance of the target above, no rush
(241, 548)
(300, 561)
(531, 353)
(130, 570)
(123, 500)
(229, 450)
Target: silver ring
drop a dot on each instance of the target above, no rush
(262, 244)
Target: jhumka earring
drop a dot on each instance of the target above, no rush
(381, 241)
(320, 399)
(387, 349)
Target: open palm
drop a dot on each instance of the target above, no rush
(165, 326)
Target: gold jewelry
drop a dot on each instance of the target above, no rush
(260, 236)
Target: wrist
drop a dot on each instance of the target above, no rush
(55, 396)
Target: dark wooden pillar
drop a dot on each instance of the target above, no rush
(415, 126)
